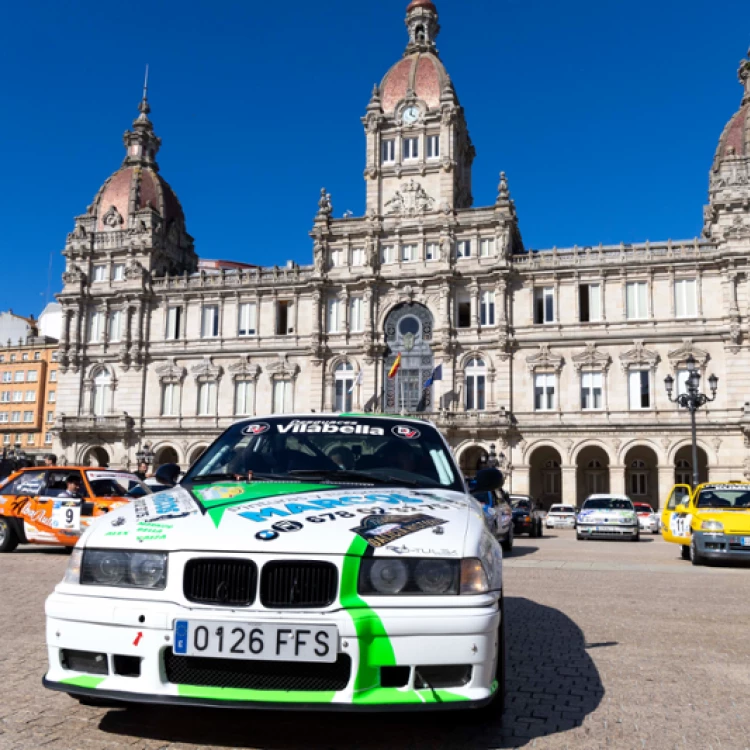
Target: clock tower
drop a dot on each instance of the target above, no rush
(419, 153)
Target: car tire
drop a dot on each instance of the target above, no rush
(579, 537)
(685, 552)
(695, 557)
(507, 544)
(533, 531)
(541, 529)
(8, 536)
(637, 537)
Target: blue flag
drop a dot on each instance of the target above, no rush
(437, 374)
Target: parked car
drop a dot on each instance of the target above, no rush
(711, 523)
(561, 517)
(607, 517)
(303, 585)
(648, 518)
(528, 518)
(36, 506)
(499, 516)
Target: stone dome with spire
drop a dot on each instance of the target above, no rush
(420, 72)
(735, 140)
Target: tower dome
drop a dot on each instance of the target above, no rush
(735, 140)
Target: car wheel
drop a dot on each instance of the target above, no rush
(695, 557)
(541, 529)
(637, 537)
(507, 545)
(533, 530)
(8, 537)
(580, 537)
(685, 552)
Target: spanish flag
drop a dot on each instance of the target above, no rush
(395, 368)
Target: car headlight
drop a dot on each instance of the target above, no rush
(413, 576)
(144, 570)
(712, 526)
(73, 571)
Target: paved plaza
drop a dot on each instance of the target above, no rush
(612, 645)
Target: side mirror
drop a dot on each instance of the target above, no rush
(681, 508)
(168, 474)
(488, 480)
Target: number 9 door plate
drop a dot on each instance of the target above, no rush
(261, 641)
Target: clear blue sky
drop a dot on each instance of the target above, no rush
(605, 115)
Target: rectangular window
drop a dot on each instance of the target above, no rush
(115, 326)
(53, 376)
(37, 356)
(433, 146)
(544, 305)
(55, 356)
(635, 303)
(50, 416)
(30, 397)
(51, 397)
(28, 416)
(170, 400)
(388, 150)
(463, 249)
(17, 397)
(590, 302)
(248, 325)
(432, 251)
(7, 377)
(207, 399)
(282, 396)
(4, 417)
(337, 257)
(640, 389)
(174, 323)
(544, 392)
(30, 439)
(19, 376)
(486, 247)
(96, 326)
(282, 318)
(48, 438)
(243, 393)
(13, 357)
(334, 315)
(408, 253)
(15, 417)
(685, 297)
(99, 273)
(5, 397)
(343, 397)
(358, 256)
(487, 309)
(210, 322)
(411, 149)
(118, 272)
(25, 357)
(31, 376)
(592, 388)
(463, 311)
(475, 392)
(356, 315)
(388, 254)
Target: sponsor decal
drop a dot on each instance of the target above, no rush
(122, 476)
(256, 429)
(378, 531)
(420, 551)
(267, 535)
(119, 521)
(329, 427)
(287, 526)
(163, 505)
(222, 492)
(30, 486)
(405, 432)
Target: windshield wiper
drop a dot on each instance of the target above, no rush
(355, 476)
(218, 477)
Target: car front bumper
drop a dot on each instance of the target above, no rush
(608, 531)
(721, 546)
(560, 523)
(373, 641)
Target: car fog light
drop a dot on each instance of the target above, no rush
(473, 577)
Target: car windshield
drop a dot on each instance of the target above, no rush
(608, 503)
(562, 509)
(364, 450)
(116, 484)
(724, 497)
(640, 508)
(522, 504)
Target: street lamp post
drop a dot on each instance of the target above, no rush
(145, 455)
(693, 399)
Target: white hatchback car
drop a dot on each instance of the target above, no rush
(648, 519)
(561, 517)
(607, 517)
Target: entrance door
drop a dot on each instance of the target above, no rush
(677, 525)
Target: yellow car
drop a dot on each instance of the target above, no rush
(711, 523)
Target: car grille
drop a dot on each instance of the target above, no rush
(735, 547)
(224, 581)
(258, 675)
(298, 585)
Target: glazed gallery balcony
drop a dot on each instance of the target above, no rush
(115, 424)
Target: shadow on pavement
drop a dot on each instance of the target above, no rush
(552, 683)
(519, 550)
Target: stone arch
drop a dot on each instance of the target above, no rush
(94, 455)
(341, 359)
(645, 442)
(592, 470)
(475, 354)
(684, 455)
(543, 443)
(593, 442)
(686, 442)
(545, 473)
(196, 452)
(165, 454)
(469, 456)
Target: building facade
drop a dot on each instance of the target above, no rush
(556, 357)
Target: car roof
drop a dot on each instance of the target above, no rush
(336, 415)
(604, 496)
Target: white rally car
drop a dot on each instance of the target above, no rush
(305, 562)
(607, 517)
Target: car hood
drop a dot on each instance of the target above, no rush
(734, 521)
(294, 518)
(606, 516)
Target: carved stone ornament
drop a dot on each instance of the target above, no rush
(171, 372)
(74, 275)
(716, 442)
(283, 369)
(544, 360)
(134, 270)
(639, 356)
(325, 208)
(112, 218)
(244, 370)
(739, 229)
(207, 370)
(591, 359)
(411, 200)
(679, 356)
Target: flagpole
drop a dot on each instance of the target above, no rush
(403, 401)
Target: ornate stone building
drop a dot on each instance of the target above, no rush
(558, 357)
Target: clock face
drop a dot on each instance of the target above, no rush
(410, 115)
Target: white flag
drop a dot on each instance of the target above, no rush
(358, 381)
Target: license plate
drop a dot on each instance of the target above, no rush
(746, 541)
(256, 640)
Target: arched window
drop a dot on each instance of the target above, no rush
(596, 477)
(344, 385)
(101, 402)
(552, 478)
(638, 478)
(476, 384)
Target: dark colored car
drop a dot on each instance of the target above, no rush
(498, 514)
(527, 517)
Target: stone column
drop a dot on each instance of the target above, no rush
(569, 487)
(521, 479)
(666, 482)
(474, 290)
(617, 479)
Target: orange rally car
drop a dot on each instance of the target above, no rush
(34, 508)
